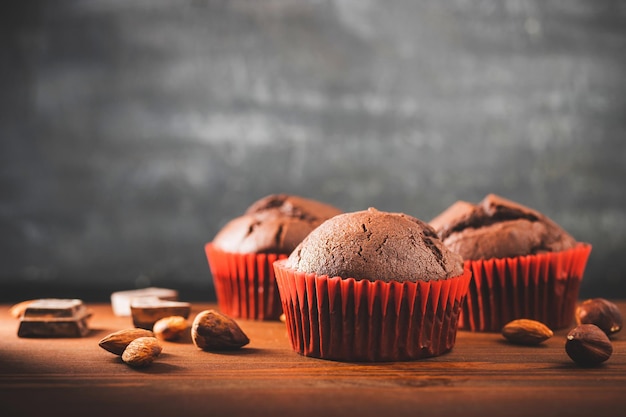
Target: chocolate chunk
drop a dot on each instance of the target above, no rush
(120, 300)
(54, 317)
(147, 311)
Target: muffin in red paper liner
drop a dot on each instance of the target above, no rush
(523, 264)
(241, 254)
(372, 286)
(245, 285)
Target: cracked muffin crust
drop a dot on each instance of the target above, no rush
(242, 253)
(499, 228)
(375, 245)
(274, 224)
(293, 206)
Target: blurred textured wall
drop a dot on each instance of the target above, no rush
(131, 131)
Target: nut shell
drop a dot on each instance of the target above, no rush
(214, 331)
(601, 312)
(526, 332)
(588, 345)
(141, 352)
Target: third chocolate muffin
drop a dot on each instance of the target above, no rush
(524, 265)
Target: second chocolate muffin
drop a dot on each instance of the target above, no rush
(241, 254)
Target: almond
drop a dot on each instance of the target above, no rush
(170, 328)
(526, 332)
(214, 331)
(141, 352)
(118, 341)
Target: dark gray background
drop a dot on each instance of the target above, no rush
(131, 131)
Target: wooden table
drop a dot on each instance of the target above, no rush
(482, 376)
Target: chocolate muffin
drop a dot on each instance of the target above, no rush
(376, 245)
(294, 206)
(372, 286)
(273, 224)
(499, 228)
(241, 254)
(524, 265)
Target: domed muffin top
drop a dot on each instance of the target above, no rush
(498, 228)
(375, 245)
(274, 224)
(287, 205)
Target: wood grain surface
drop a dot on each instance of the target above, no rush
(483, 375)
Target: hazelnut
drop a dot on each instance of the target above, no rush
(602, 313)
(588, 345)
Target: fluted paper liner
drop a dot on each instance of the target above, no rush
(245, 284)
(370, 321)
(542, 287)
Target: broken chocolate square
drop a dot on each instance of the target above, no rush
(120, 300)
(54, 317)
(146, 311)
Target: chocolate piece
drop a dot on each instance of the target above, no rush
(376, 245)
(148, 310)
(498, 228)
(53, 317)
(17, 310)
(120, 300)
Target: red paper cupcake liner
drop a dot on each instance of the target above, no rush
(541, 287)
(245, 284)
(370, 321)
